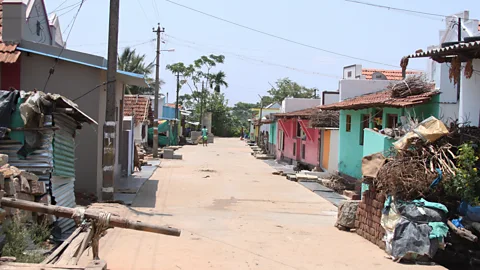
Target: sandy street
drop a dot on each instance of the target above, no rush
(234, 214)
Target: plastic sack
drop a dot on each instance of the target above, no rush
(473, 213)
(389, 220)
(430, 130)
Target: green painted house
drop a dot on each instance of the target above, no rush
(363, 118)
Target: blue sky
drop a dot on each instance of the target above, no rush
(252, 59)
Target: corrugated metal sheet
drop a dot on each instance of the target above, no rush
(474, 45)
(63, 179)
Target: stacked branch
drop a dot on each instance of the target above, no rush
(411, 86)
(409, 173)
(325, 119)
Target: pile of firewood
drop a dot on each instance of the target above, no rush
(369, 214)
(411, 86)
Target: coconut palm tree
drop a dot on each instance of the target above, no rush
(129, 60)
(217, 80)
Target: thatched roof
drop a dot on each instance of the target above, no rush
(325, 119)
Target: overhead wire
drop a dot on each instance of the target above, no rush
(280, 37)
(52, 69)
(144, 13)
(248, 58)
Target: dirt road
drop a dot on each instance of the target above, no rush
(234, 214)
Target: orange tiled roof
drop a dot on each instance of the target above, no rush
(394, 75)
(380, 99)
(172, 105)
(8, 53)
(137, 106)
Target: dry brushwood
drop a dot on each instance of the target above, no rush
(409, 173)
(469, 69)
(413, 85)
(454, 72)
(328, 119)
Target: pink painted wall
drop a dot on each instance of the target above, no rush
(311, 143)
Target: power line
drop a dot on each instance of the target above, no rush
(156, 9)
(52, 70)
(89, 91)
(247, 58)
(144, 13)
(397, 9)
(281, 38)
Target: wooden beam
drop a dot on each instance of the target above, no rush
(305, 129)
(66, 212)
(282, 124)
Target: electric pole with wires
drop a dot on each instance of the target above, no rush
(110, 124)
(158, 31)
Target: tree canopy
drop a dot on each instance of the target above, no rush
(129, 60)
(287, 88)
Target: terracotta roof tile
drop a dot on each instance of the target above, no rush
(393, 75)
(8, 53)
(137, 106)
(380, 99)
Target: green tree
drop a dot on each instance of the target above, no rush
(217, 80)
(288, 88)
(129, 60)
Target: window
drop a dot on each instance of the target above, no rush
(349, 74)
(299, 129)
(303, 151)
(348, 126)
(378, 119)
(364, 124)
(39, 28)
(392, 120)
(294, 149)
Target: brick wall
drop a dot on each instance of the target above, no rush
(369, 214)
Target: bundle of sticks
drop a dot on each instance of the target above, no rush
(409, 173)
(413, 85)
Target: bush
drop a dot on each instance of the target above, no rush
(18, 239)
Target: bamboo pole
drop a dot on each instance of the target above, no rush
(66, 212)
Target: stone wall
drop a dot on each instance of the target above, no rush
(369, 214)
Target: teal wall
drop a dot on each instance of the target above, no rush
(272, 134)
(350, 151)
(375, 142)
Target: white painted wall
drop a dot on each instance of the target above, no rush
(355, 72)
(470, 97)
(137, 133)
(355, 88)
(333, 155)
(330, 98)
(295, 104)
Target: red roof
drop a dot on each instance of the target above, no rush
(8, 53)
(380, 99)
(305, 113)
(137, 106)
(393, 75)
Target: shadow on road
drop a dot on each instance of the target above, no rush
(146, 196)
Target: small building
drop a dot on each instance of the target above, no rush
(460, 92)
(363, 118)
(297, 142)
(140, 109)
(255, 129)
(327, 123)
(33, 56)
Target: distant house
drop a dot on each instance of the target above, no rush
(356, 72)
(140, 109)
(362, 117)
(32, 57)
(256, 129)
(457, 101)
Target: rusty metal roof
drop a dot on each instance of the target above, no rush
(468, 47)
(380, 99)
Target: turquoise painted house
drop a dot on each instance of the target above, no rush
(363, 118)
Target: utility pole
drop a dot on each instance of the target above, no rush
(314, 93)
(157, 89)
(459, 30)
(176, 105)
(110, 124)
(201, 105)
